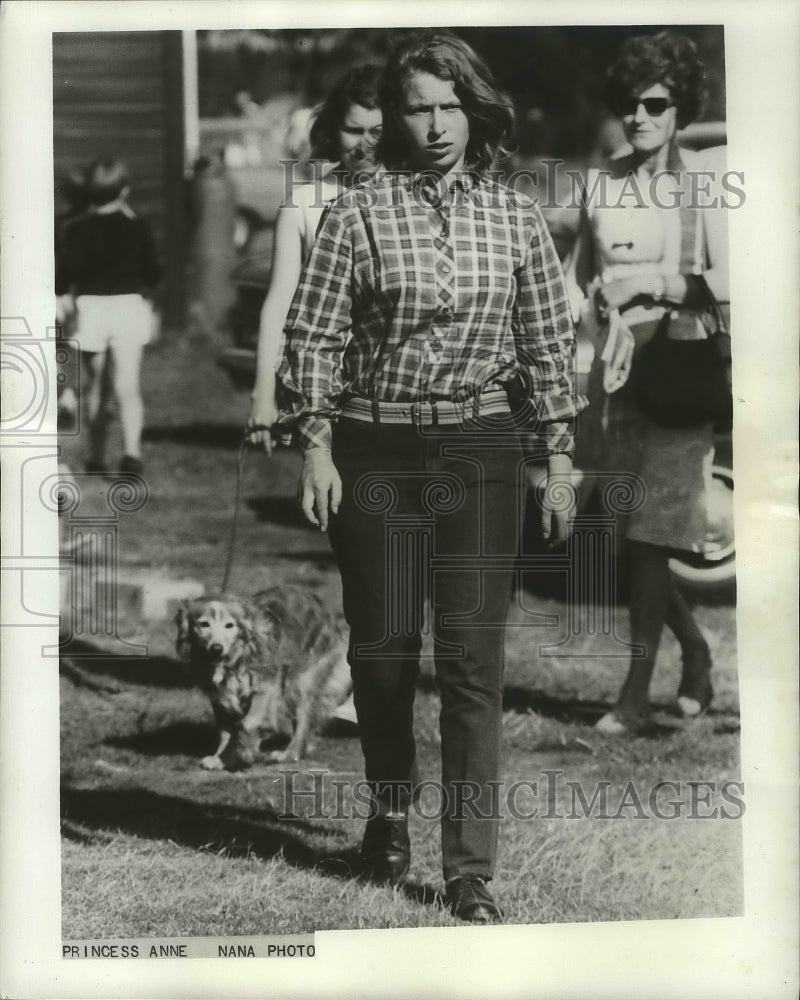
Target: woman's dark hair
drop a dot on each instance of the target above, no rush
(106, 179)
(447, 57)
(668, 58)
(359, 86)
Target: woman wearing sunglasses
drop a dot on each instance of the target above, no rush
(647, 245)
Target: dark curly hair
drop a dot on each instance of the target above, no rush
(359, 86)
(448, 57)
(668, 58)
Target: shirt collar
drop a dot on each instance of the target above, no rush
(462, 182)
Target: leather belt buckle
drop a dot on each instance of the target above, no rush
(425, 414)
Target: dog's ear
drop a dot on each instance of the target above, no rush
(182, 640)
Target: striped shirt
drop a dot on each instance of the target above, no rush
(404, 300)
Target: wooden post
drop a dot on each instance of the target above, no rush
(213, 254)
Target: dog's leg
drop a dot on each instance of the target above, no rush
(272, 721)
(214, 761)
(244, 746)
(254, 719)
(297, 746)
(312, 704)
(242, 750)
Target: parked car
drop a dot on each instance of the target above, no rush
(715, 569)
(251, 280)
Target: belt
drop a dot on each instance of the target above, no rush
(373, 411)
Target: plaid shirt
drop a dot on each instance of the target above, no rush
(402, 300)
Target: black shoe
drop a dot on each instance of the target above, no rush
(386, 849)
(468, 898)
(96, 468)
(131, 464)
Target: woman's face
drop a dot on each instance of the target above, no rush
(358, 138)
(649, 130)
(437, 128)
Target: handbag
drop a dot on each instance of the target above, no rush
(686, 383)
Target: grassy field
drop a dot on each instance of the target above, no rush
(154, 845)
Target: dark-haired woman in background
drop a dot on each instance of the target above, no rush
(346, 131)
(646, 246)
(428, 292)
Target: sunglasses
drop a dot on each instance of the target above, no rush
(654, 106)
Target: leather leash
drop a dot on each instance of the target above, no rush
(237, 503)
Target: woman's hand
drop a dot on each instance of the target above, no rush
(558, 499)
(617, 294)
(320, 487)
(263, 414)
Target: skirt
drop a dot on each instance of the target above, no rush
(674, 466)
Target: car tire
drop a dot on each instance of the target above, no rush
(716, 569)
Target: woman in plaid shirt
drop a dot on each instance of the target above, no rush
(430, 292)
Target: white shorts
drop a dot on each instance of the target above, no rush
(105, 321)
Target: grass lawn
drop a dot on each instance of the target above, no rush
(155, 846)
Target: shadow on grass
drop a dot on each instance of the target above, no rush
(569, 711)
(151, 671)
(230, 830)
(522, 700)
(196, 739)
(193, 739)
(575, 711)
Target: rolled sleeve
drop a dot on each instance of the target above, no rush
(315, 432)
(546, 342)
(315, 334)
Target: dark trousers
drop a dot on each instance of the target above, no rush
(421, 516)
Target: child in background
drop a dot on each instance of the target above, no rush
(106, 264)
(71, 192)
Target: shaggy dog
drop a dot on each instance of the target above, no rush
(275, 665)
